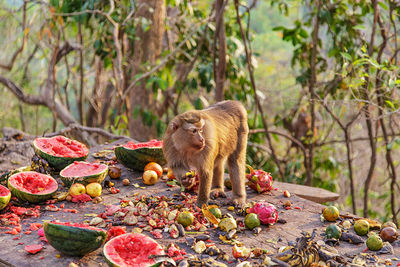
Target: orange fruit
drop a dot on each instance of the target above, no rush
(154, 166)
(331, 213)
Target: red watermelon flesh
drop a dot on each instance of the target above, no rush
(4, 191)
(61, 146)
(151, 143)
(81, 168)
(33, 249)
(132, 250)
(34, 183)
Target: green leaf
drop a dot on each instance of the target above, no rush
(359, 27)
(383, 5)
(303, 33)
(390, 104)
(346, 56)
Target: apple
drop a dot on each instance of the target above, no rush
(154, 166)
(77, 189)
(94, 189)
(149, 177)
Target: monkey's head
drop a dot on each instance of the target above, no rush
(187, 132)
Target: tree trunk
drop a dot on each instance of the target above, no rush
(146, 50)
(220, 69)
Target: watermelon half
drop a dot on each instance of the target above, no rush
(32, 186)
(5, 196)
(84, 173)
(74, 239)
(132, 249)
(60, 151)
(136, 156)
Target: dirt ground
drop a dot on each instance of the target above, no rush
(304, 216)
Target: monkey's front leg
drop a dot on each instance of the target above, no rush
(205, 177)
(217, 189)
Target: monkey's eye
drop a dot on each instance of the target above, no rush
(194, 131)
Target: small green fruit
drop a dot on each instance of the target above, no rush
(185, 218)
(251, 221)
(374, 242)
(216, 212)
(333, 231)
(361, 227)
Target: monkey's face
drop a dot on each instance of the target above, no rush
(196, 137)
(188, 136)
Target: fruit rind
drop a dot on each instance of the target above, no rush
(98, 177)
(4, 200)
(74, 240)
(138, 158)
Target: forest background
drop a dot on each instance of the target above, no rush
(320, 80)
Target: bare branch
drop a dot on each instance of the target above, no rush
(76, 126)
(10, 65)
(19, 93)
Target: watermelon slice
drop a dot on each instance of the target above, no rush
(136, 156)
(132, 249)
(75, 239)
(84, 173)
(32, 186)
(5, 196)
(60, 151)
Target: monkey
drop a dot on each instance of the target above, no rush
(204, 140)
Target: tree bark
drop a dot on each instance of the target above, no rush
(220, 68)
(146, 50)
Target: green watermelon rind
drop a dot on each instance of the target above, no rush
(29, 197)
(58, 163)
(157, 262)
(85, 180)
(136, 159)
(73, 241)
(5, 199)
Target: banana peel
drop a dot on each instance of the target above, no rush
(303, 253)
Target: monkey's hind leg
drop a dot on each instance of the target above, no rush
(237, 169)
(217, 189)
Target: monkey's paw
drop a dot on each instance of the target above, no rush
(200, 202)
(238, 202)
(216, 193)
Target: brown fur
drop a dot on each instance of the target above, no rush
(223, 138)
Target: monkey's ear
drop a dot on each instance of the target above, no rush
(174, 125)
